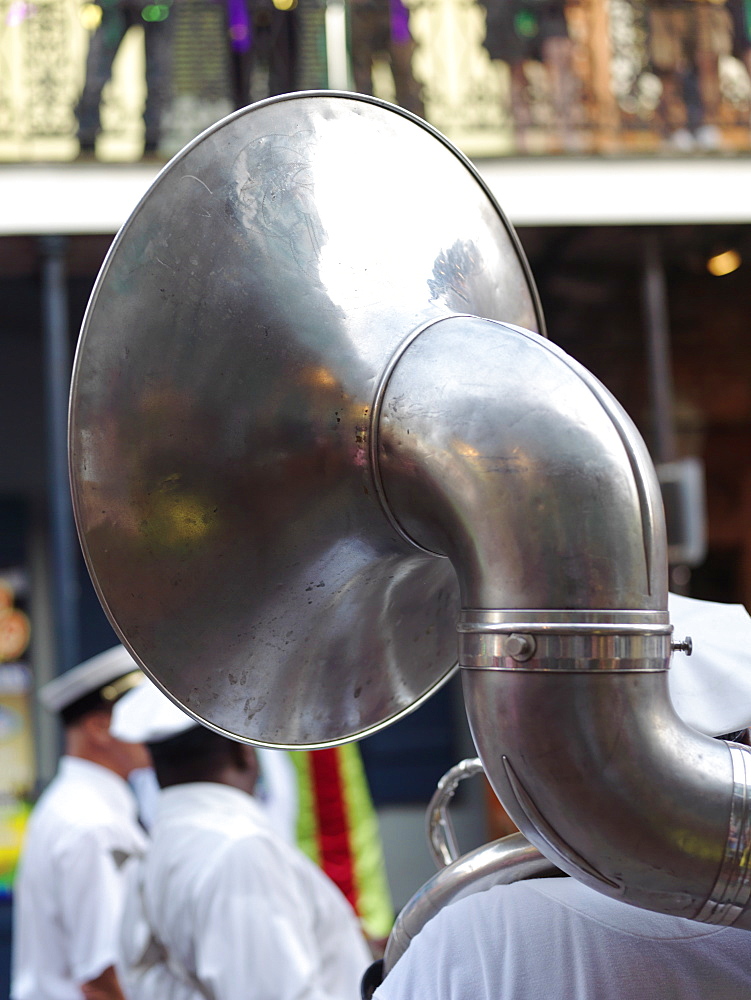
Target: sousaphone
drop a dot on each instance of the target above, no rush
(321, 450)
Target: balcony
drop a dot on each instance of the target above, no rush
(583, 78)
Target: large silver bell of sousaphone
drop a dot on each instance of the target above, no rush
(228, 397)
(319, 454)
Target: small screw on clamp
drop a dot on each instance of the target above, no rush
(520, 647)
(687, 646)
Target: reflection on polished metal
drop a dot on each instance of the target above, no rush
(732, 891)
(440, 829)
(309, 434)
(222, 416)
(501, 862)
(636, 774)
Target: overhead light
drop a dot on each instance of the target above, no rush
(724, 263)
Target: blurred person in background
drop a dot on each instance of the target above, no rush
(68, 894)
(264, 39)
(380, 28)
(686, 40)
(117, 17)
(221, 905)
(520, 32)
(740, 15)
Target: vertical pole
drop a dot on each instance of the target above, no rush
(337, 57)
(664, 446)
(63, 539)
(655, 300)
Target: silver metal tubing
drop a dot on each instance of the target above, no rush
(509, 859)
(499, 451)
(440, 830)
(730, 895)
(502, 453)
(612, 786)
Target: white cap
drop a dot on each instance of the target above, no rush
(711, 689)
(97, 676)
(145, 715)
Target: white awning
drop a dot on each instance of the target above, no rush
(97, 198)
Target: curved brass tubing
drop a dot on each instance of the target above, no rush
(502, 453)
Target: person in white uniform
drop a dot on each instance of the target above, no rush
(67, 897)
(222, 906)
(556, 938)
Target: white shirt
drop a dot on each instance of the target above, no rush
(234, 907)
(276, 790)
(67, 898)
(557, 939)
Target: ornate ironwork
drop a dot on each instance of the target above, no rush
(467, 94)
(38, 79)
(45, 65)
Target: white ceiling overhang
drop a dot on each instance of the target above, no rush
(90, 198)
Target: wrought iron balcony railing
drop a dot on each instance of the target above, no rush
(497, 77)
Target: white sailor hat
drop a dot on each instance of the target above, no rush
(145, 715)
(97, 682)
(711, 688)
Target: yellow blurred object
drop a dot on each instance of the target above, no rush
(13, 817)
(7, 596)
(91, 16)
(724, 263)
(15, 633)
(17, 770)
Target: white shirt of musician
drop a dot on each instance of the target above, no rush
(68, 895)
(557, 939)
(222, 907)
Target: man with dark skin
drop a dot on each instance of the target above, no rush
(221, 906)
(68, 894)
